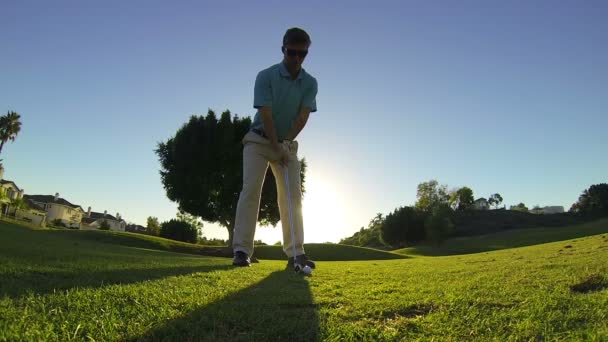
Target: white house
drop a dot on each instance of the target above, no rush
(34, 214)
(58, 209)
(481, 204)
(10, 189)
(11, 192)
(555, 209)
(136, 228)
(93, 220)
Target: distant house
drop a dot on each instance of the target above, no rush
(481, 204)
(136, 228)
(58, 209)
(35, 214)
(555, 209)
(11, 189)
(11, 192)
(93, 220)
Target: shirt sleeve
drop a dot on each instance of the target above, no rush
(262, 93)
(310, 98)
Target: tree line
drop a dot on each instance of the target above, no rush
(431, 218)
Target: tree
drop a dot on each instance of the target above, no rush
(520, 207)
(575, 209)
(10, 126)
(462, 199)
(403, 226)
(104, 225)
(431, 194)
(175, 229)
(438, 225)
(495, 200)
(593, 201)
(202, 170)
(152, 226)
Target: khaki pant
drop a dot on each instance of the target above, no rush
(257, 154)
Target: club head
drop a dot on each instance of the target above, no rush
(297, 268)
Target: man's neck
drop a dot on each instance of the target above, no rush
(293, 72)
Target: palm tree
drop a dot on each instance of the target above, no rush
(10, 125)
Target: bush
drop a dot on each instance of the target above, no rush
(104, 225)
(212, 242)
(368, 237)
(179, 230)
(58, 223)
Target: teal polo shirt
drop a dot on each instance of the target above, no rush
(275, 88)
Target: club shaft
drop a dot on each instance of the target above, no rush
(293, 240)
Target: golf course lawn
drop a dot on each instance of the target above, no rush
(62, 286)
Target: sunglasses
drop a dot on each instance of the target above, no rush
(294, 52)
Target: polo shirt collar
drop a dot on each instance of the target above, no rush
(285, 73)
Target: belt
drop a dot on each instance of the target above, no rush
(262, 134)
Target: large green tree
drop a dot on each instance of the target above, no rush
(593, 201)
(495, 200)
(202, 170)
(153, 226)
(10, 126)
(462, 198)
(431, 194)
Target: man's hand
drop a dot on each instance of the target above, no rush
(283, 154)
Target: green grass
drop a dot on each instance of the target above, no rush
(508, 239)
(63, 287)
(322, 252)
(329, 252)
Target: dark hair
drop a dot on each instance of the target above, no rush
(296, 35)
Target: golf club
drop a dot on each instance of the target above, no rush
(296, 266)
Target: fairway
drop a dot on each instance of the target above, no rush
(59, 286)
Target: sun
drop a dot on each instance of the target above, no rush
(323, 211)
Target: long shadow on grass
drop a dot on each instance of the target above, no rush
(43, 282)
(279, 308)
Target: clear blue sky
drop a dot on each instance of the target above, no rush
(508, 97)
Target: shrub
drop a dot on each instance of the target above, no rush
(179, 230)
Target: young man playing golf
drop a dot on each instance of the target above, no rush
(284, 96)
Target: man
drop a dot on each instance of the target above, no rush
(284, 96)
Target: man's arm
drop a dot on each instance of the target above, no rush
(299, 123)
(309, 104)
(271, 133)
(269, 128)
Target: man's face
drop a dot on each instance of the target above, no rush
(294, 54)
